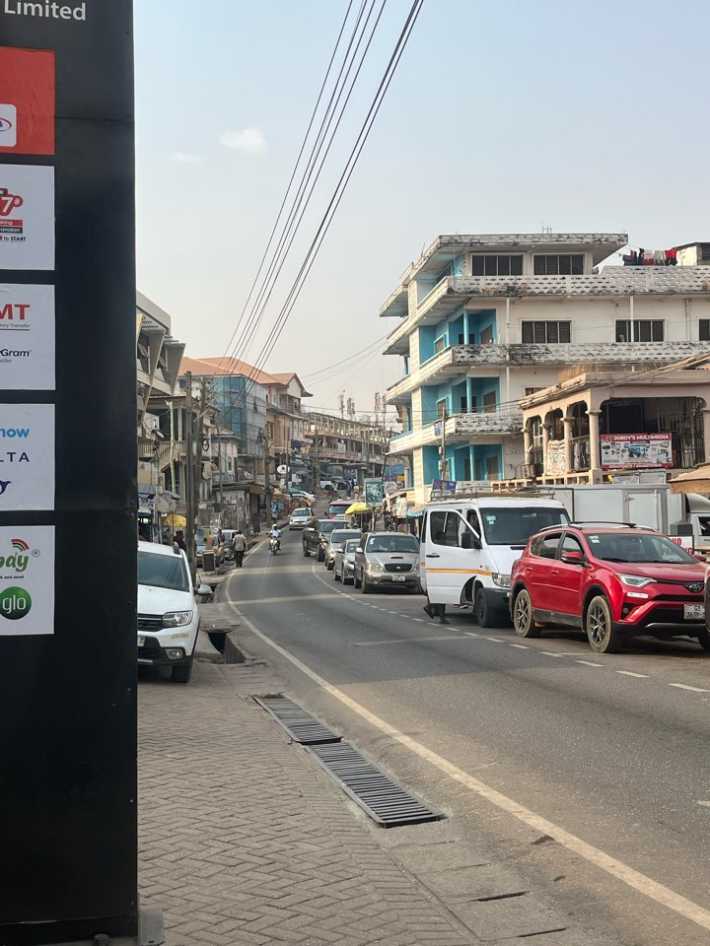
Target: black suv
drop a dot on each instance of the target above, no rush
(315, 536)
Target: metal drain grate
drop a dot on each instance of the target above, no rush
(300, 725)
(382, 799)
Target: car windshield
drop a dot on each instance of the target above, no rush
(326, 526)
(301, 513)
(638, 548)
(511, 525)
(352, 545)
(337, 509)
(393, 543)
(340, 535)
(162, 571)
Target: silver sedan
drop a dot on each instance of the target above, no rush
(344, 563)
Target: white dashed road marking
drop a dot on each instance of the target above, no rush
(684, 686)
(520, 646)
(630, 673)
(589, 663)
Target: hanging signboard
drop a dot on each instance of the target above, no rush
(374, 492)
(556, 460)
(636, 451)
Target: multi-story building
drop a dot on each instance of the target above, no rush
(158, 357)
(345, 449)
(287, 435)
(487, 320)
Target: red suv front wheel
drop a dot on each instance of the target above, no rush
(599, 626)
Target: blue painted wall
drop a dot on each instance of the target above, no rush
(478, 322)
(431, 464)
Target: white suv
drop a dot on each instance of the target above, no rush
(168, 618)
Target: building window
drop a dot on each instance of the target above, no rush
(530, 391)
(490, 402)
(497, 265)
(704, 330)
(439, 345)
(464, 404)
(487, 336)
(563, 264)
(441, 408)
(546, 333)
(639, 330)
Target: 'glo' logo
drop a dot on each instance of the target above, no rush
(15, 603)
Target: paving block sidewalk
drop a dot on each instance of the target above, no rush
(244, 840)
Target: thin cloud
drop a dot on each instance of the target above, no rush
(185, 157)
(247, 140)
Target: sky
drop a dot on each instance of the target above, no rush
(503, 116)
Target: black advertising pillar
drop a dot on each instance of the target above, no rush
(67, 472)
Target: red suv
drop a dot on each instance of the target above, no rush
(611, 581)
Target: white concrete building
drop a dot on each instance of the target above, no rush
(486, 320)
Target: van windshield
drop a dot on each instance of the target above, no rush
(162, 571)
(513, 525)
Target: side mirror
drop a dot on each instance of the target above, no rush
(469, 540)
(573, 558)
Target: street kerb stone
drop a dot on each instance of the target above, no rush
(244, 841)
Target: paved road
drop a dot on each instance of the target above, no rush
(612, 751)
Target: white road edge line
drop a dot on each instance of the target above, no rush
(605, 862)
(684, 686)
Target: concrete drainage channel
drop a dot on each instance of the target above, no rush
(387, 803)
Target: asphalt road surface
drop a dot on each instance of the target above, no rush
(589, 773)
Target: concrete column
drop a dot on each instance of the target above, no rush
(568, 421)
(527, 443)
(545, 443)
(595, 454)
(706, 433)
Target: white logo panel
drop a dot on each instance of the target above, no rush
(27, 356)
(26, 217)
(26, 581)
(26, 457)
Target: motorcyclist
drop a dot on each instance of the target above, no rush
(275, 536)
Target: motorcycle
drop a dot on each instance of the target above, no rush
(274, 545)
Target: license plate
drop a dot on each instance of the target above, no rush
(694, 612)
(399, 578)
(141, 640)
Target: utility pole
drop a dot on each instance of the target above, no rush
(199, 453)
(443, 463)
(267, 477)
(189, 477)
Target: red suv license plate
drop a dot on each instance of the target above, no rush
(694, 612)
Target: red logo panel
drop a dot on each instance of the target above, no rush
(27, 101)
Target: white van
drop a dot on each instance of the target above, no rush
(468, 547)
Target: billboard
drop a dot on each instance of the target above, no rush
(374, 492)
(636, 451)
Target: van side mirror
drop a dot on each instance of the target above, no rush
(573, 558)
(469, 540)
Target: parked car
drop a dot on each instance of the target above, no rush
(612, 582)
(168, 617)
(316, 534)
(387, 560)
(469, 546)
(344, 565)
(336, 542)
(299, 518)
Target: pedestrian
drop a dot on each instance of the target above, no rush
(239, 544)
(180, 540)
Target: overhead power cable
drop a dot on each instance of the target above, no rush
(344, 361)
(341, 187)
(309, 177)
(290, 182)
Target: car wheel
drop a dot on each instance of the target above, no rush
(704, 640)
(183, 673)
(348, 581)
(484, 614)
(306, 553)
(599, 626)
(336, 576)
(364, 584)
(523, 621)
